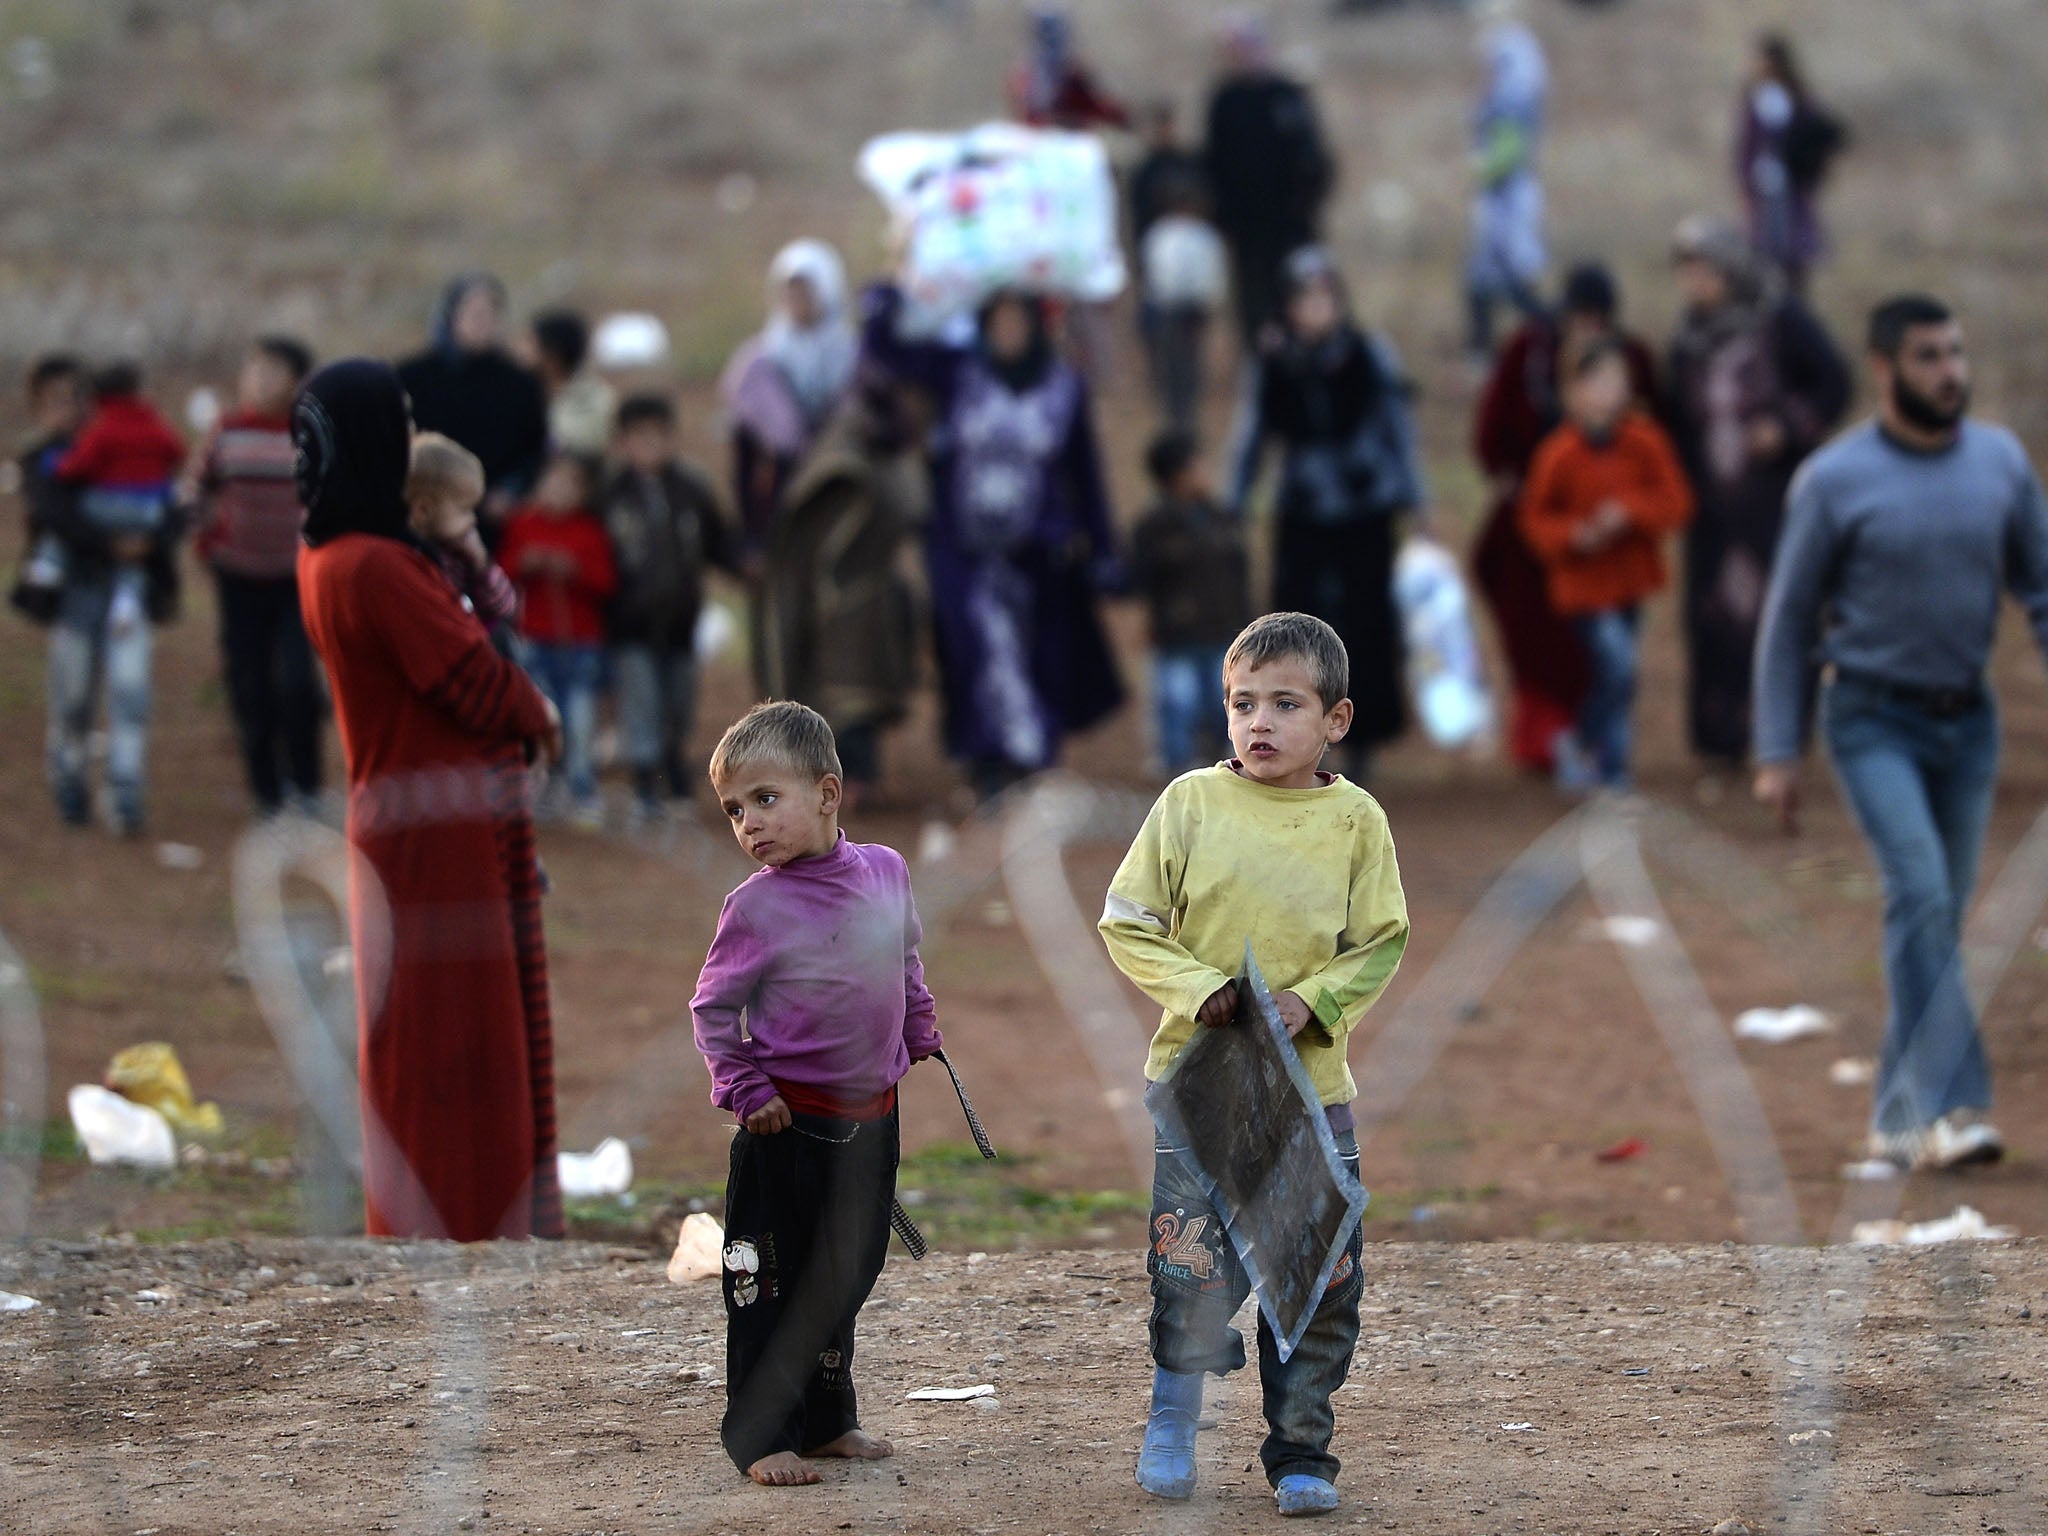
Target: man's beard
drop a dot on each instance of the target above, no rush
(1925, 413)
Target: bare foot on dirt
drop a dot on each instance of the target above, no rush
(785, 1469)
(857, 1444)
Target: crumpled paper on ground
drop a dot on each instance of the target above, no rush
(1962, 1225)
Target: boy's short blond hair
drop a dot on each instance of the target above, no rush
(782, 732)
(442, 467)
(1304, 637)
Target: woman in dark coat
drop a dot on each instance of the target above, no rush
(1519, 408)
(466, 385)
(1335, 400)
(1754, 385)
(1019, 544)
(1779, 162)
(456, 1043)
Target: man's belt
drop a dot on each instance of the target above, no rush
(1935, 703)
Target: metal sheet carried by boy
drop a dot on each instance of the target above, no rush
(1241, 1102)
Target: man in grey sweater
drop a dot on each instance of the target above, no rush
(1900, 537)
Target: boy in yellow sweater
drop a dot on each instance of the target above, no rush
(1267, 848)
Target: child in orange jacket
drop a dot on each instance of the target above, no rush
(1604, 489)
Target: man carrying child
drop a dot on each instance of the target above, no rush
(1269, 849)
(115, 515)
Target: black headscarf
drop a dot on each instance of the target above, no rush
(1027, 370)
(353, 433)
(442, 326)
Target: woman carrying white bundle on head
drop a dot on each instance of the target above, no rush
(785, 381)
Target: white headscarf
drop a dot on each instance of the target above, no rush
(816, 361)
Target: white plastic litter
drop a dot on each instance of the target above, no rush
(949, 1394)
(629, 340)
(998, 206)
(1630, 932)
(700, 1248)
(1520, 1427)
(607, 1170)
(14, 1301)
(1445, 672)
(1777, 1025)
(1872, 1170)
(1852, 1072)
(118, 1130)
(1965, 1224)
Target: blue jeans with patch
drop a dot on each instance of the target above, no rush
(1921, 790)
(1198, 1283)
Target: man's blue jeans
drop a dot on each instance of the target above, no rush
(1198, 1283)
(89, 654)
(1921, 790)
(1604, 718)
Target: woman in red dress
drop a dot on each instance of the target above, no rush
(456, 1045)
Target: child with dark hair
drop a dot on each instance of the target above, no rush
(249, 522)
(663, 519)
(580, 404)
(558, 556)
(118, 516)
(811, 1007)
(56, 405)
(1603, 490)
(1189, 563)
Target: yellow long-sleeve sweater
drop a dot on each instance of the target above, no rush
(1306, 875)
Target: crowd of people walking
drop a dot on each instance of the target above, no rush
(566, 549)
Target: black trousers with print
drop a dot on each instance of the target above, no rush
(806, 1233)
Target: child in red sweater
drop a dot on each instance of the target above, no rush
(1602, 491)
(122, 466)
(558, 555)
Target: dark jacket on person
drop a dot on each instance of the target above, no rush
(1266, 163)
(1189, 562)
(1162, 177)
(665, 529)
(486, 402)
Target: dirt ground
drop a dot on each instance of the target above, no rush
(1556, 1060)
(238, 1389)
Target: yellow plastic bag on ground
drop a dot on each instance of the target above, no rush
(152, 1074)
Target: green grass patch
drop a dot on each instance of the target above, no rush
(958, 1199)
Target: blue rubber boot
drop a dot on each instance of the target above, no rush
(1299, 1494)
(1166, 1461)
